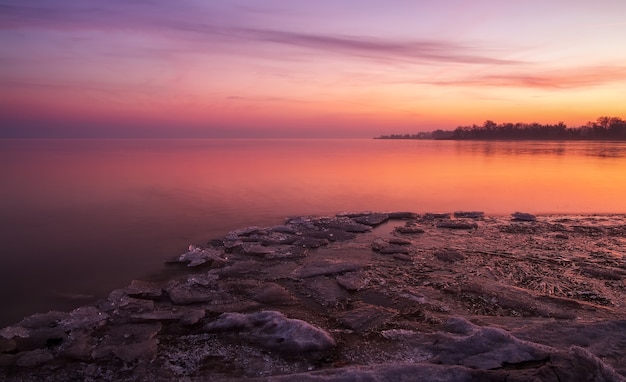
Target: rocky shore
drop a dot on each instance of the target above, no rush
(357, 296)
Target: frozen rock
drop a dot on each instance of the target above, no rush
(469, 214)
(449, 256)
(144, 289)
(522, 216)
(408, 229)
(395, 249)
(186, 316)
(353, 281)
(119, 302)
(197, 288)
(196, 256)
(401, 215)
(456, 224)
(398, 334)
(14, 331)
(85, 317)
(278, 238)
(385, 247)
(434, 216)
(258, 250)
(326, 267)
(366, 317)
(34, 358)
(129, 342)
(253, 230)
(274, 331)
(274, 294)
(311, 242)
(284, 229)
(325, 291)
(483, 347)
(344, 224)
(7, 344)
(372, 219)
(399, 241)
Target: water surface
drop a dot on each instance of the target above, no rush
(81, 217)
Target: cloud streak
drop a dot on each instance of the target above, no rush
(562, 79)
(214, 25)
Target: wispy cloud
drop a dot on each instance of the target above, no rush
(423, 50)
(567, 78)
(212, 24)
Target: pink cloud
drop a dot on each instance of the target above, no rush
(553, 79)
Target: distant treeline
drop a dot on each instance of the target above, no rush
(604, 128)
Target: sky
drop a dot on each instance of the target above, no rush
(285, 68)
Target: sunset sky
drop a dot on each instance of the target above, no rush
(285, 68)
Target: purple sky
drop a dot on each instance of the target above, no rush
(114, 68)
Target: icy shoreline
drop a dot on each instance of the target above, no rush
(368, 295)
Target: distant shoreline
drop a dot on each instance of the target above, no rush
(603, 129)
(384, 137)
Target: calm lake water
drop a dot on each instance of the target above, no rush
(82, 217)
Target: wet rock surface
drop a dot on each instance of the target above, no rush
(359, 296)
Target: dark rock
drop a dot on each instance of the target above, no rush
(402, 215)
(354, 281)
(483, 347)
(196, 256)
(605, 274)
(330, 234)
(399, 241)
(344, 224)
(195, 289)
(186, 316)
(232, 245)
(119, 302)
(379, 244)
(284, 229)
(372, 219)
(277, 238)
(274, 331)
(366, 317)
(409, 229)
(469, 214)
(238, 268)
(390, 372)
(7, 344)
(78, 345)
(435, 216)
(144, 289)
(43, 320)
(34, 358)
(449, 256)
(248, 231)
(311, 242)
(395, 249)
(349, 214)
(258, 250)
(325, 291)
(456, 224)
(274, 294)
(129, 342)
(326, 267)
(384, 247)
(403, 257)
(522, 216)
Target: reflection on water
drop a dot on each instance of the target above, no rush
(82, 217)
(600, 149)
